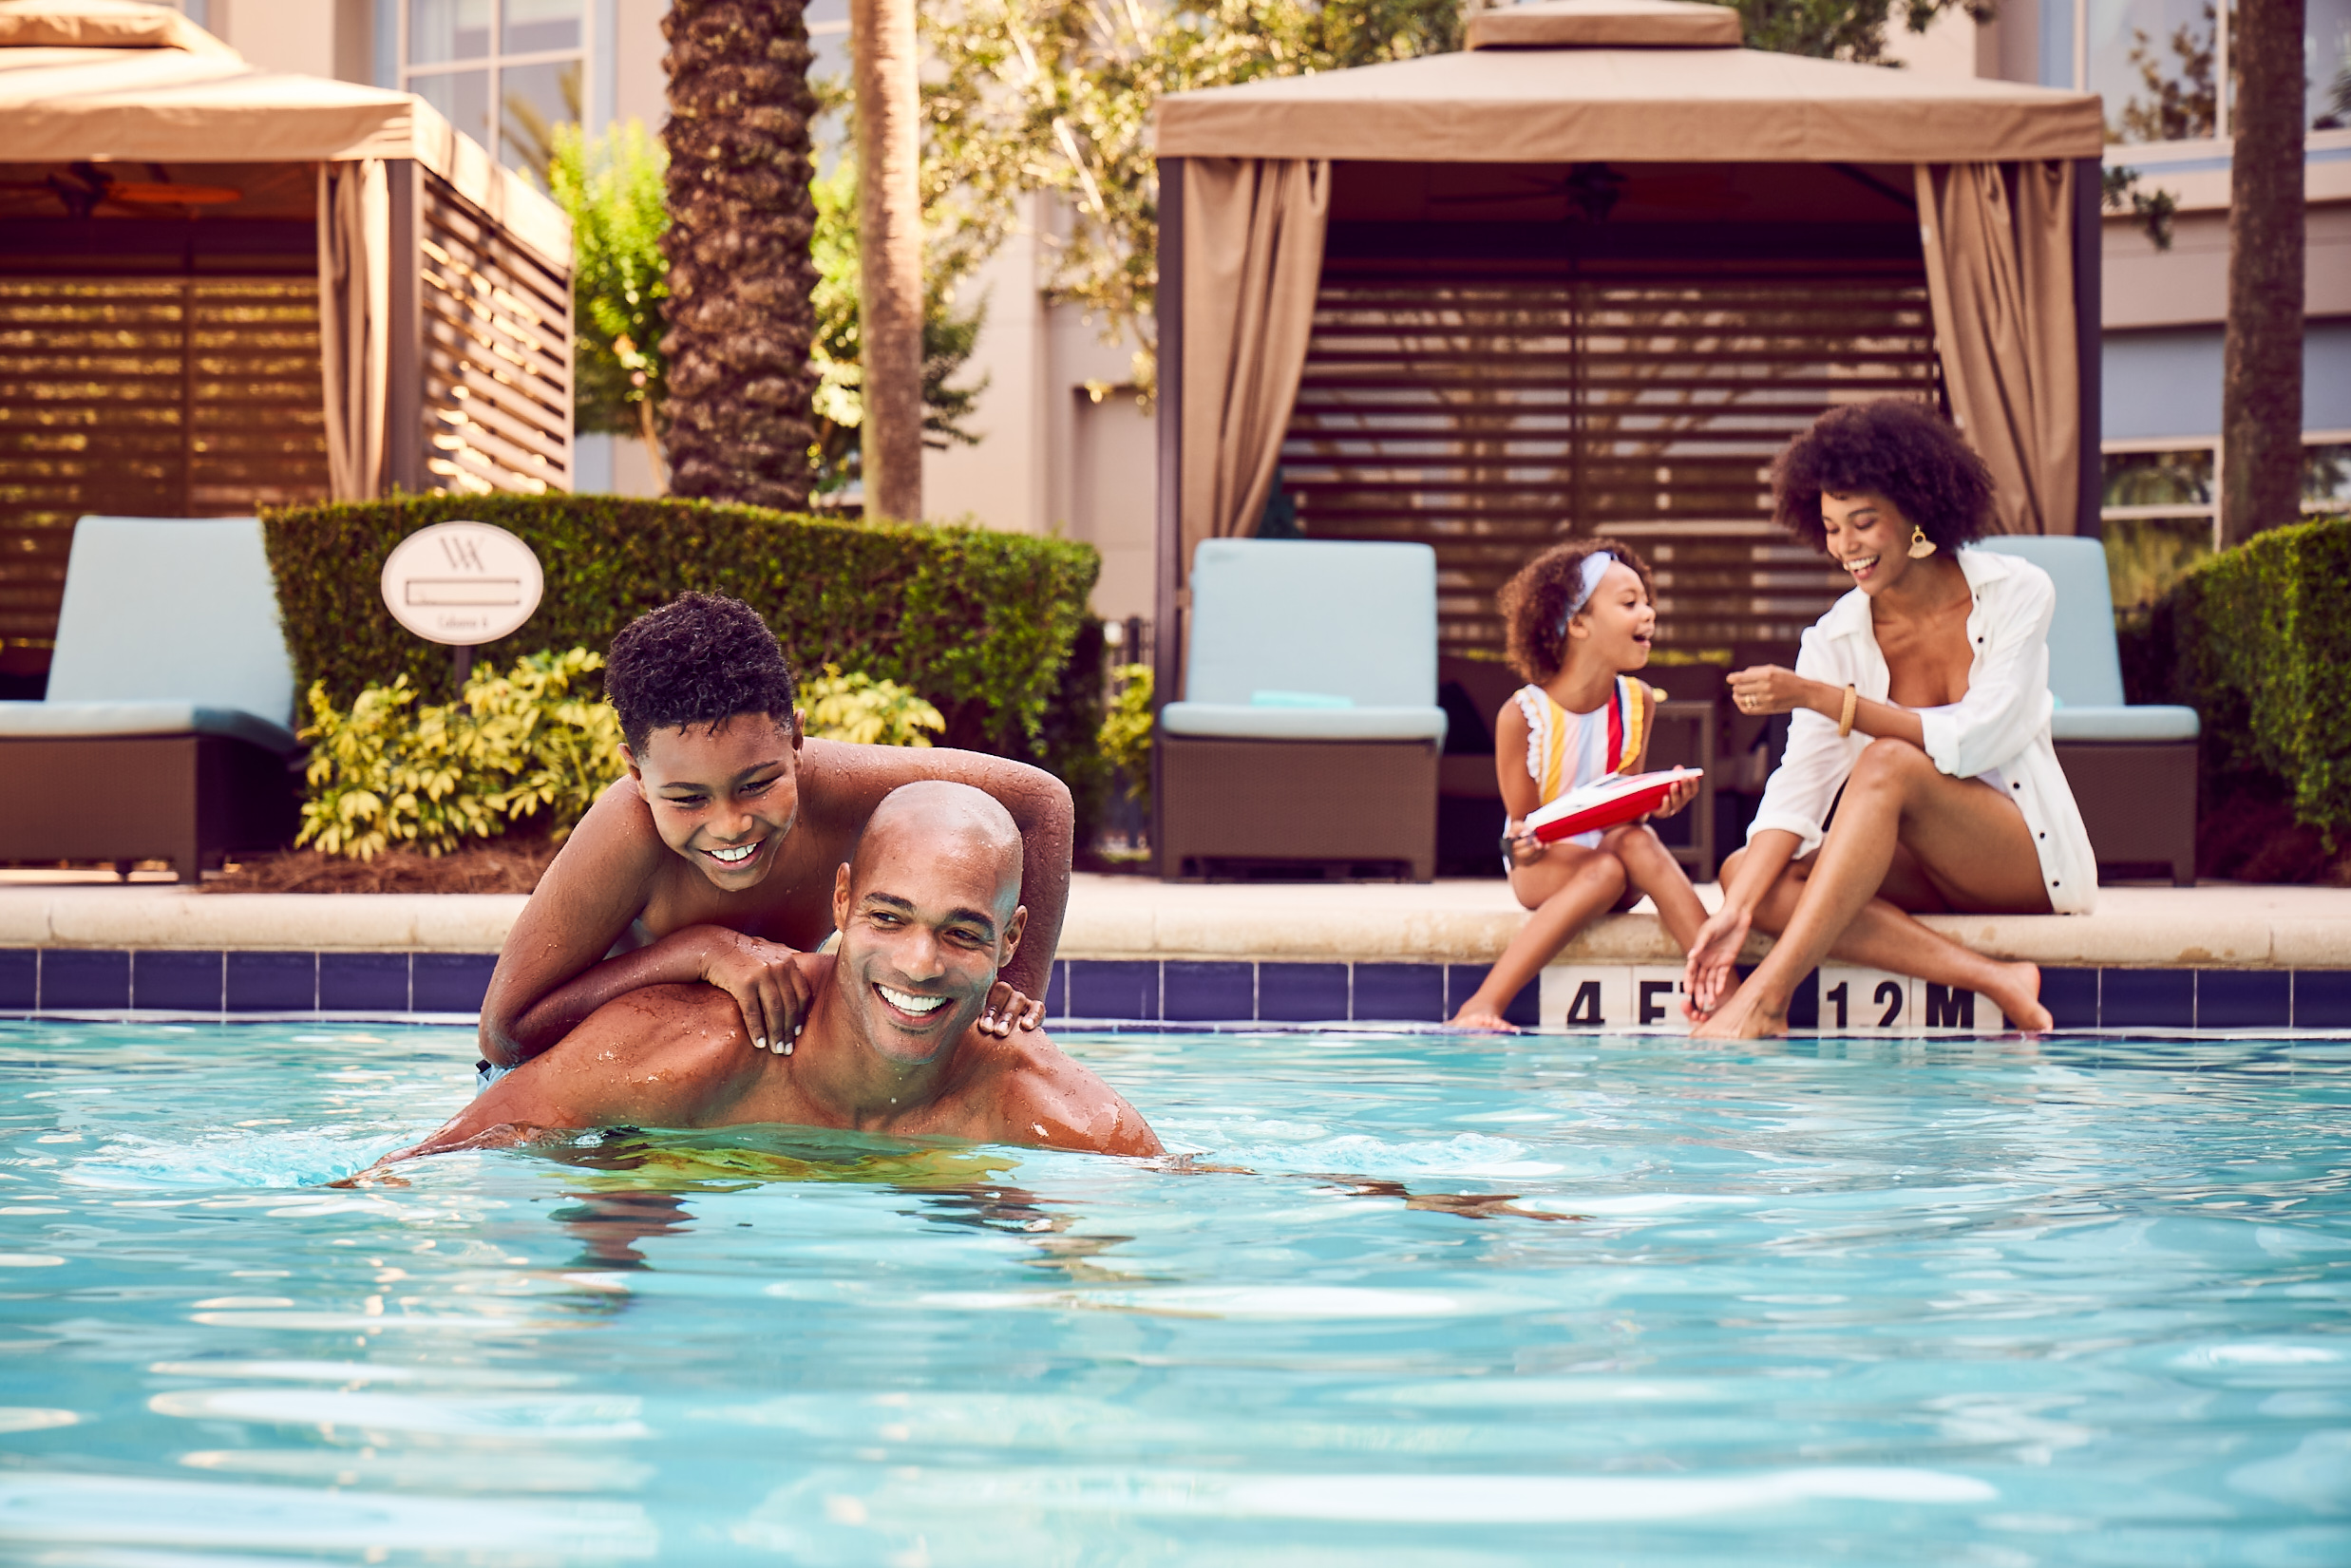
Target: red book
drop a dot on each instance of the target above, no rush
(1618, 799)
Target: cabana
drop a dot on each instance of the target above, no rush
(223, 288)
(1586, 276)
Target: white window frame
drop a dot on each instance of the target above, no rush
(2223, 138)
(2213, 445)
(495, 62)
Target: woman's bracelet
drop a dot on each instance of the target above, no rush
(1845, 720)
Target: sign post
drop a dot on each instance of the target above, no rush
(462, 584)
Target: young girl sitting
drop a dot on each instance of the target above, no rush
(1579, 615)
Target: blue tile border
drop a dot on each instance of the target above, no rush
(169, 980)
(1172, 993)
(273, 982)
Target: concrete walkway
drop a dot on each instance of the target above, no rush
(2215, 926)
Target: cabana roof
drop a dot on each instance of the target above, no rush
(1639, 81)
(104, 81)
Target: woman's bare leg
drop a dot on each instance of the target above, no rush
(1969, 843)
(1580, 884)
(1651, 867)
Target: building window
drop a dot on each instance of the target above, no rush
(2160, 66)
(506, 72)
(2160, 512)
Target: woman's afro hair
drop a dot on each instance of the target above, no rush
(700, 659)
(1532, 602)
(1902, 451)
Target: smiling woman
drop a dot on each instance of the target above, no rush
(1920, 712)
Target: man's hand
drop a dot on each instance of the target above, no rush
(1712, 973)
(1768, 689)
(765, 979)
(1007, 1008)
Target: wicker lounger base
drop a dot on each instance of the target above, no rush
(187, 799)
(1361, 810)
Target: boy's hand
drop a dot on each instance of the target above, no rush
(1006, 1008)
(765, 981)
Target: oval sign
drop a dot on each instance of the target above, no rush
(461, 583)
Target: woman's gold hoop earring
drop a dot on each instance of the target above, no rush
(1921, 546)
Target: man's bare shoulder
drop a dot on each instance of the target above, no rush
(1038, 1094)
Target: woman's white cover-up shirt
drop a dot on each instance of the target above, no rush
(2003, 723)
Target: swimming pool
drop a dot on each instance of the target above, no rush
(1482, 1301)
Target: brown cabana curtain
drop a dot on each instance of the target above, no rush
(1253, 231)
(2000, 270)
(354, 300)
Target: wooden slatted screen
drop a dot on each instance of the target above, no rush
(158, 397)
(1490, 409)
(497, 355)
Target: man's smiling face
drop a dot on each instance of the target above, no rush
(928, 912)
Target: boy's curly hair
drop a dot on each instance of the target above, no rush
(1531, 601)
(1902, 451)
(700, 659)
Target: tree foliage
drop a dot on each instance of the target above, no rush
(1056, 96)
(612, 187)
(949, 335)
(1841, 29)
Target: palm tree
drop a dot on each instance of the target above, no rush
(2261, 385)
(889, 155)
(740, 274)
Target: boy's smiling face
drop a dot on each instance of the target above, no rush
(723, 797)
(1617, 623)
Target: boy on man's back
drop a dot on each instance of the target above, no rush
(715, 860)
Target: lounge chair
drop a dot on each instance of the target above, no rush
(2133, 769)
(165, 733)
(1308, 739)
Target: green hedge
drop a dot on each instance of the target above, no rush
(982, 624)
(2260, 642)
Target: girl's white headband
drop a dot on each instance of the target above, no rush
(1595, 567)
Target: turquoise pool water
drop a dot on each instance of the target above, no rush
(1478, 1302)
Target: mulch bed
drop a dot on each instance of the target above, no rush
(502, 865)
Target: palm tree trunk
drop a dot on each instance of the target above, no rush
(740, 274)
(2261, 392)
(889, 159)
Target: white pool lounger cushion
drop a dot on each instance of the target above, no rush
(2085, 669)
(169, 626)
(1248, 634)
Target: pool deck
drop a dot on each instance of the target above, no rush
(2213, 926)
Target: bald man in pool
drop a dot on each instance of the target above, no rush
(929, 910)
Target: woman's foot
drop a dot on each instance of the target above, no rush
(1743, 1015)
(1481, 1016)
(2017, 992)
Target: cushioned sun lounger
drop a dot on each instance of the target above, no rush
(164, 734)
(1308, 736)
(2133, 769)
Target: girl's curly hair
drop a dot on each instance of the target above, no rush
(1532, 601)
(1902, 451)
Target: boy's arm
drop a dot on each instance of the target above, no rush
(552, 973)
(848, 781)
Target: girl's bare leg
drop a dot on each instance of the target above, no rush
(1965, 843)
(1573, 887)
(1651, 867)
